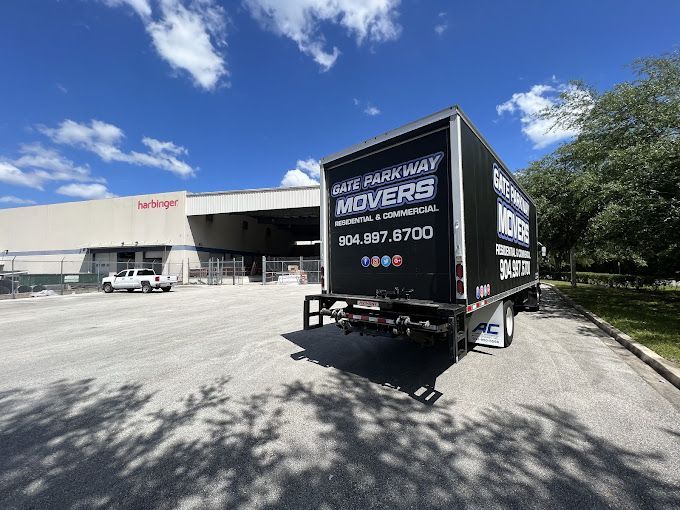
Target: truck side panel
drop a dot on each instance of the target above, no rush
(500, 224)
(389, 219)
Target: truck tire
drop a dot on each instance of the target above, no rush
(165, 289)
(146, 287)
(508, 322)
(108, 288)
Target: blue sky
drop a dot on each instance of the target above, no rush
(123, 97)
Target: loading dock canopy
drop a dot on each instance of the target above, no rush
(254, 201)
(302, 221)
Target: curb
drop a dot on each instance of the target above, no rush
(659, 364)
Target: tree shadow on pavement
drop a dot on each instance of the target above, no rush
(343, 442)
(553, 306)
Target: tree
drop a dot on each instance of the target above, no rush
(564, 203)
(619, 179)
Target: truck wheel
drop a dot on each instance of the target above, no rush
(146, 287)
(508, 322)
(108, 288)
(165, 289)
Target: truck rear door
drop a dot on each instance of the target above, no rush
(388, 213)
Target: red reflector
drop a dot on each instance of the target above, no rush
(459, 287)
(459, 270)
(158, 278)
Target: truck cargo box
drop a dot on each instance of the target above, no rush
(403, 210)
(427, 213)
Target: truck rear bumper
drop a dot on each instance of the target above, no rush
(395, 317)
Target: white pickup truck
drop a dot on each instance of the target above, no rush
(131, 279)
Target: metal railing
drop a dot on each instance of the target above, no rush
(287, 271)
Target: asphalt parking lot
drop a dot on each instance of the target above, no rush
(214, 398)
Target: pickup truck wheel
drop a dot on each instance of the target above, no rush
(165, 289)
(108, 288)
(146, 287)
(508, 323)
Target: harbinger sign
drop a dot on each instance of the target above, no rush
(157, 204)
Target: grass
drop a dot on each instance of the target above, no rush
(651, 318)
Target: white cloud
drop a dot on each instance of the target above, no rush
(310, 166)
(50, 165)
(443, 24)
(38, 165)
(300, 21)
(530, 105)
(371, 111)
(10, 199)
(104, 140)
(158, 147)
(188, 35)
(86, 191)
(297, 178)
(141, 7)
(305, 173)
(10, 174)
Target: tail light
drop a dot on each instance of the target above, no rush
(460, 286)
(158, 278)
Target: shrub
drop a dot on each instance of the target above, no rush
(625, 281)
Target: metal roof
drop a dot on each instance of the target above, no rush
(243, 201)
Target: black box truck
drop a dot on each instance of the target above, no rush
(426, 234)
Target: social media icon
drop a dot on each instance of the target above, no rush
(477, 292)
(365, 261)
(386, 260)
(375, 261)
(488, 289)
(397, 260)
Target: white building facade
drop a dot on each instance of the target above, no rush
(174, 231)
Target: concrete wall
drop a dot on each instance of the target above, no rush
(109, 222)
(46, 234)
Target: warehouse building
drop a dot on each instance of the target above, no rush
(175, 231)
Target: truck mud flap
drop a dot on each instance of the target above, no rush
(456, 337)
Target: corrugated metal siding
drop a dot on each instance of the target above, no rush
(252, 200)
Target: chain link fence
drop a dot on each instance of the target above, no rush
(25, 277)
(217, 271)
(22, 277)
(286, 271)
